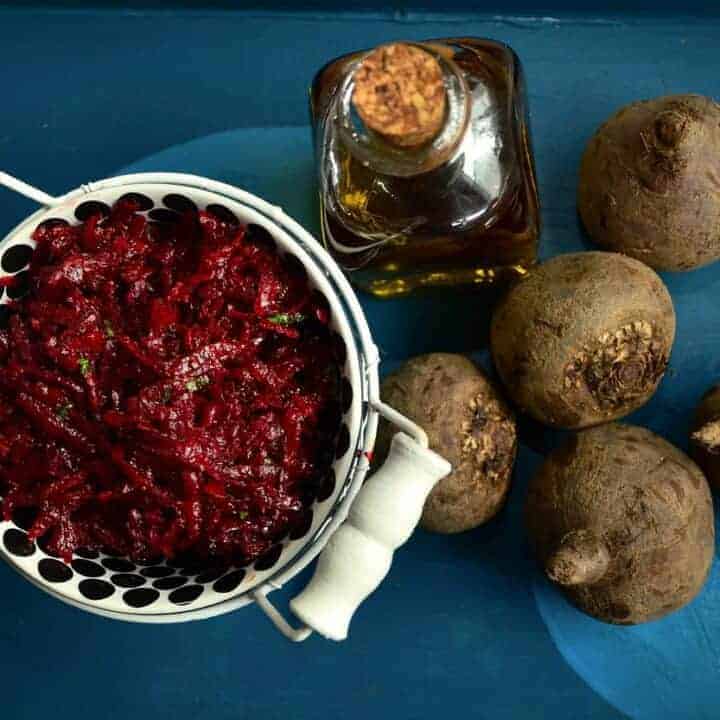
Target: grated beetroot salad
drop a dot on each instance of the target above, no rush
(166, 389)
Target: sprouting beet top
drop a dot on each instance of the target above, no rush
(167, 388)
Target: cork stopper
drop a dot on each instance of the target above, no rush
(400, 94)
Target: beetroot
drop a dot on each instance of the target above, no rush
(166, 388)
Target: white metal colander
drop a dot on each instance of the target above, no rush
(357, 527)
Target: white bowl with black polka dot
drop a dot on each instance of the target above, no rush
(165, 590)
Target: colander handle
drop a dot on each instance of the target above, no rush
(13, 183)
(359, 554)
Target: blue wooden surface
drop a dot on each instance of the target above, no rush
(400, 7)
(463, 626)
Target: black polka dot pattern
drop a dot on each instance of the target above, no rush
(295, 266)
(89, 208)
(87, 553)
(118, 565)
(179, 203)
(327, 486)
(340, 349)
(158, 571)
(96, 589)
(266, 561)
(163, 215)
(142, 597)
(222, 213)
(17, 543)
(142, 202)
(20, 285)
(54, 571)
(346, 395)
(52, 223)
(111, 553)
(303, 525)
(88, 568)
(170, 583)
(210, 576)
(331, 420)
(16, 258)
(127, 580)
(229, 582)
(185, 595)
(43, 545)
(323, 306)
(260, 236)
(343, 441)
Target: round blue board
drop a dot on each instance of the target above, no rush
(466, 620)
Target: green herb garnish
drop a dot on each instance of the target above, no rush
(242, 514)
(286, 318)
(167, 394)
(64, 410)
(197, 383)
(109, 331)
(84, 365)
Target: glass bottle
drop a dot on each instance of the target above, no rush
(460, 209)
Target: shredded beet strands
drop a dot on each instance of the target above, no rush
(165, 389)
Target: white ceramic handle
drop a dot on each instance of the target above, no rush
(358, 555)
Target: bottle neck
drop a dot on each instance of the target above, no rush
(373, 151)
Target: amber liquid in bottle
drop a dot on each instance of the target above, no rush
(461, 210)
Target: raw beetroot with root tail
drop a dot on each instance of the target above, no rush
(166, 388)
(623, 522)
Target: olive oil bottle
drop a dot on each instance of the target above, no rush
(425, 165)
